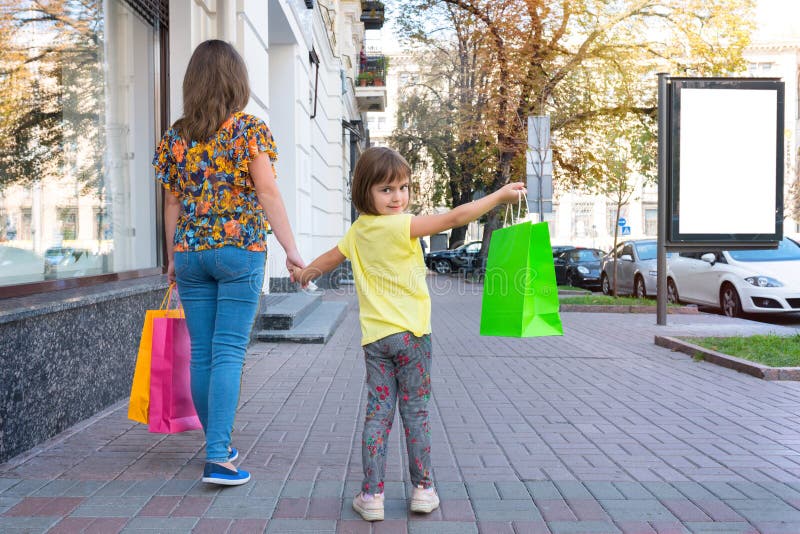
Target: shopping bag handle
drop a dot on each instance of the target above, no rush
(515, 220)
(166, 302)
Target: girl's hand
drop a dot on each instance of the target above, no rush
(511, 192)
(300, 276)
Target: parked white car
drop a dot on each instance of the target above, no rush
(737, 281)
(636, 268)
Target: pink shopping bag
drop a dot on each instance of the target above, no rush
(171, 407)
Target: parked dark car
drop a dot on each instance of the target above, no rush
(579, 267)
(457, 259)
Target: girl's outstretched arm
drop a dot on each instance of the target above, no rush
(433, 224)
(323, 264)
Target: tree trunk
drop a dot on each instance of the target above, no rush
(457, 236)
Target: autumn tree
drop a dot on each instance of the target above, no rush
(441, 122)
(52, 91)
(586, 62)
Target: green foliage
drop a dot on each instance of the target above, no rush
(588, 64)
(771, 350)
(51, 92)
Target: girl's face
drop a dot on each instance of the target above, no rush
(390, 198)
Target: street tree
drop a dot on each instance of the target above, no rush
(580, 61)
(441, 122)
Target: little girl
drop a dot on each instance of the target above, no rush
(395, 310)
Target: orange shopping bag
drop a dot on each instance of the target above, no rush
(139, 406)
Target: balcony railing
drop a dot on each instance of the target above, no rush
(372, 71)
(372, 15)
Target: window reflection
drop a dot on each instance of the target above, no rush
(76, 133)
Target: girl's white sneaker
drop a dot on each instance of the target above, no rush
(424, 500)
(369, 507)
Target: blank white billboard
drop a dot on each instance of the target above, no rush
(727, 161)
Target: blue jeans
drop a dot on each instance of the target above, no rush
(219, 290)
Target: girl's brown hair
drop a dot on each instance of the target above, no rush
(377, 165)
(215, 86)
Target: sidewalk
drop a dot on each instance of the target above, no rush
(596, 431)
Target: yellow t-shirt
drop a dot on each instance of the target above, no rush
(389, 272)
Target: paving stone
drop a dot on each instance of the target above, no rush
(633, 490)
(452, 490)
(442, 527)
(582, 527)
(176, 487)
(727, 528)
(24, 488)
(286, 526)
(637, 510)
(26, 524)
(102, 506)
(543, 490)
(603, 490)
(327, 488)
(297, 489)
(506, 510)
(54, 488)
(512, 490)
(6, 483)
(161, 524)
(573, 489)
(482, 490)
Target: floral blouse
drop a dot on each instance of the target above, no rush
(219, 205)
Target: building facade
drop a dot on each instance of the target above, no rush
(86, 90)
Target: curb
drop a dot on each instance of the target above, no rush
(726, 360)
(600, 308)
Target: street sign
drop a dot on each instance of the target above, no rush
(626, 230)
(622, 221)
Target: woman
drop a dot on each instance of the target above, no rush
(216, 163)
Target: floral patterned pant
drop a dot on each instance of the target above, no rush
(398, 372)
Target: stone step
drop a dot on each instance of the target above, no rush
(284, 311)
(317, 327)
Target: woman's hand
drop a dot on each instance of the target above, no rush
(293, 262)
(171, 272)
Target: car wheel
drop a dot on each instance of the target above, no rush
(441, 266)
(605, 285)
(729, 301)
(672, 292)
(570, 279)
(639, 290)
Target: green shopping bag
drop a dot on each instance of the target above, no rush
(520, 296)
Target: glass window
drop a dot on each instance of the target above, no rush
(651, 221)
(582, 219)
(77, 130)
(646, 251)
(586, 255)
(627, 249)
(787, 250)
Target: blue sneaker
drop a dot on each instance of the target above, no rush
(233, 454)
(218, 474)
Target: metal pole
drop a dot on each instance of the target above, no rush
(663, 167)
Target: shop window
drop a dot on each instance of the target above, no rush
(77, 133)
(582, 215)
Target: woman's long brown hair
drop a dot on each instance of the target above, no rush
(215, 86)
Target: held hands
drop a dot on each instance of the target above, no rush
(511, 192)
(294, 263)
